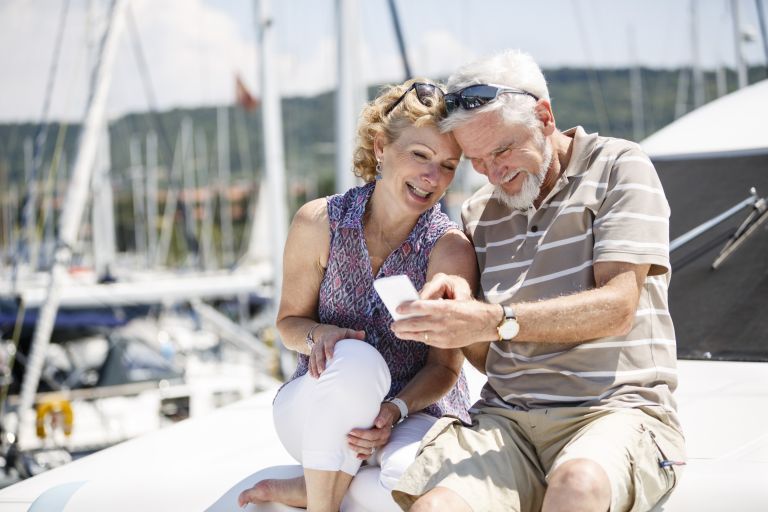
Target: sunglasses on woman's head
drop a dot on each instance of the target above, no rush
(476, 96)
(424, 92)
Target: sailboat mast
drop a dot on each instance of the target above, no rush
(225, 208)
(763, 29)
(697, 74)
(636, 89)
(350, 95)
(151, 160)
(273, 141)
(74, 206)
(400, 39)
(138, 196)
(741, 67)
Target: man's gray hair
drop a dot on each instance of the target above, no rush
(511, 68)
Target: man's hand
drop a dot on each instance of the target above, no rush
(443, 286)
(447, 323)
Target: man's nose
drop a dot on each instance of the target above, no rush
(494, 172)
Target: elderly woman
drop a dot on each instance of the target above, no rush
(360, 393)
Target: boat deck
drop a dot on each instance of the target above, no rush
(202, 464)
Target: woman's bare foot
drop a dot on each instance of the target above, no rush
(289, 491)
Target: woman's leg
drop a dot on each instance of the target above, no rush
(313, 418)
(347, 395)
(371, 490)
(289, 415)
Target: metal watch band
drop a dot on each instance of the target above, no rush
(401, 406)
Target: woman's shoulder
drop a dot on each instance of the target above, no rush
(312, 215)
(453, 241)
(438, 223)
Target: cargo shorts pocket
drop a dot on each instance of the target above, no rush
(654, 475)
(440, 426)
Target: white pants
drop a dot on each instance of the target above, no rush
(314, 416)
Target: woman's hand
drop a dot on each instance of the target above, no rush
(326, 337)
(366, 441)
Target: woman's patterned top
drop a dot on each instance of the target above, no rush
(348, 299)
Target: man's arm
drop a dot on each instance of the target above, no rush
(607, 310)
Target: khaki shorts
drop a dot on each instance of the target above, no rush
(503, 461)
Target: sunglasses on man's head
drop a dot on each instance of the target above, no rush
(476, 96)
(424, 92)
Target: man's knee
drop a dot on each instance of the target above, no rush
(581, 477)
(440, 499)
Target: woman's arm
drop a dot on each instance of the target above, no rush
(304, 262)
(453, 255)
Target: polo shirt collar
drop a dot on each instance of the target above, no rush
(583, 144)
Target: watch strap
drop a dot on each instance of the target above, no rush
(507, 314)
(401, 406)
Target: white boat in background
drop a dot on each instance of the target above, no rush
(129, 381)
(710, 160)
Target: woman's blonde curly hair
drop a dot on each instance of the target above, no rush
(373, 121)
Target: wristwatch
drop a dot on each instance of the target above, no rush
(401, 406)
(508, 326)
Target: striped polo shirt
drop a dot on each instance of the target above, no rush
(608, 205)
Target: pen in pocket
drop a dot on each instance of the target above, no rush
(668, 463)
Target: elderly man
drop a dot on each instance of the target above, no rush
(574, 334)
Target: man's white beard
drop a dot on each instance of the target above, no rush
(531, 184)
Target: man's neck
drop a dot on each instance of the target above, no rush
(562, 148)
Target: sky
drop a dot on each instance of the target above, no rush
(194, 48)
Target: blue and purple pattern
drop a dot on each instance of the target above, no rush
(348, 299)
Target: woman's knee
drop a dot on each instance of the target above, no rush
(356, 363)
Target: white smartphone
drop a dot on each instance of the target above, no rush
(394, 290)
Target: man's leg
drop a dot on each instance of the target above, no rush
(607, 459)
(578, 485)
(490, 466)
(441, 499)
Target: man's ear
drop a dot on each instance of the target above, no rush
(543, 111)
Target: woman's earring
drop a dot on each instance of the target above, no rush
(378, 170)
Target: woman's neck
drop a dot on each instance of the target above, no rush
(389, 223)
(385, 230)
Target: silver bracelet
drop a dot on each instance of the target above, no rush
(401, 406)
(309, 340)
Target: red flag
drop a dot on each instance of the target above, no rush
(243, 97)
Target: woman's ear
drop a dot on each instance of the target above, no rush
(379, 141)
(543, 111)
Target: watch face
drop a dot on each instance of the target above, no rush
(509, 329)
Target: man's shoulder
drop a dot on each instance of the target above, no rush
(472, 209)
(605, 160)
(611, 148)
